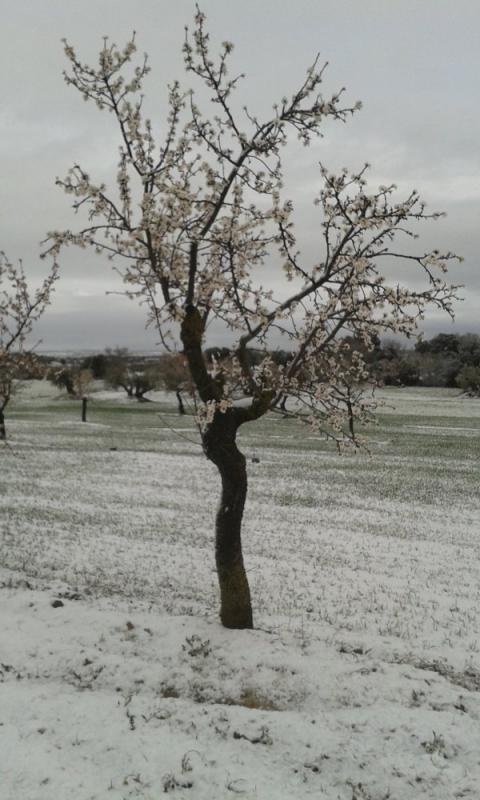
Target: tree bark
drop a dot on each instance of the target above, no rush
(220, 447)
(84, 409)
(3, 430)
(219, 443)
(181, 407)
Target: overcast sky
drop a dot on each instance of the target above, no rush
(415, 64)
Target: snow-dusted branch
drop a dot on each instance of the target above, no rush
(20, 308)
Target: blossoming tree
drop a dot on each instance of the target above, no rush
(192, 224)
(20, 308)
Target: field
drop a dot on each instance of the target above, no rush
(362, 678)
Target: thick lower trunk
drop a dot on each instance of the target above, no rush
(3, 430)
(181, 407)
(84, 409)
(220, 447)
(140, 396)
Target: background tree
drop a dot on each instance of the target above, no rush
(443, 357)
(191, 225)
(174, 377)
(63, 377)
(123, 373)
(468, 379)
(469, 349)
(20, 308)
(97, 364)
(73, 377)
(444, 343)
(83, 386)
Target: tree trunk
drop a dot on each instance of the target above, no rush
(68, 383)
(181, 407)
(3, 430)
(220, 447)
(84, 409)
(140, 395)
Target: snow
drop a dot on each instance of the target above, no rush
(362, 678)
(106, 700)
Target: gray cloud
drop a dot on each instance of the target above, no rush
(415, 66)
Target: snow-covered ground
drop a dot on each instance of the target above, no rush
(362, 678)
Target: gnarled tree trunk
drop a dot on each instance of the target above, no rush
(219, 443)
(220, 447)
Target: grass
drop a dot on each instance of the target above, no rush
(365, 577)
(121, 503)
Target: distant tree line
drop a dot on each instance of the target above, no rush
(118, 368)
(445, 360)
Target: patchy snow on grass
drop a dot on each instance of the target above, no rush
(362, 678)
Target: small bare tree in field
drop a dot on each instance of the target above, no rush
(193, 222)
(20, 308)
(123, 373)
(174, 376)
